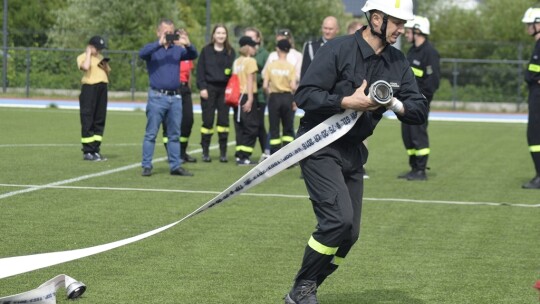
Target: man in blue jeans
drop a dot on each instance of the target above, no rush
(164, 101)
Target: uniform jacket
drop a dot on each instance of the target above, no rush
(532, 75)
(214, 67)
(424, 61)
(311, 47)
(338, 69)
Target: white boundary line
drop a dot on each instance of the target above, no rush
(60, 145)
(292, 196)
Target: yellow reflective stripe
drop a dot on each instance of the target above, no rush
(411, 152)
(422, 152)
(86, 140)
(221, 129)
(275, 142)
(244, 149)
(535, 148)
(165, 140)
(98, 138)
(207, 131)
(320, 248)
(534, 67)
(287, 138)
(398, 3)
(417, 72)
(337, 260)
(184, 139)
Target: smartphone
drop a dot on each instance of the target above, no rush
(171, 37)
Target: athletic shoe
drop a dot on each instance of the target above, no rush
(532, 184)
(417, 175)
(223, 159)
(206, 159)
(189, 159)
(181, 172)
(88, 156)
(99, 157)
(146, 172)
(263, 157)
(244, 162)
(303, 292)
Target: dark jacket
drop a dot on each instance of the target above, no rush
(424, 61)
(214, 67)
(310, 49)
(338, 69)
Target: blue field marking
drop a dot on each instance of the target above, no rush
(132, 106)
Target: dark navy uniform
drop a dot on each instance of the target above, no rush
(310, 49)
(334, 175)
(424, 61)
(532, 77)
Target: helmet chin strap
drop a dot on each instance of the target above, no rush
(382, 34)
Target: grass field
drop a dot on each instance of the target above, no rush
(421, 242)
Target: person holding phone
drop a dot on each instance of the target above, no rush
(164, 100)
(93, 97)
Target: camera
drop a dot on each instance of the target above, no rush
(171, 37)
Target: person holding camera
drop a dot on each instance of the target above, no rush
(93, 97)
(164, 100)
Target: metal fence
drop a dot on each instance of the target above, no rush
(30, 71)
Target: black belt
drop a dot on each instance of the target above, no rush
(167, 92)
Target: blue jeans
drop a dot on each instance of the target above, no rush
(161, 108)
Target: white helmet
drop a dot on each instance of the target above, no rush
(532, 15)
(420, 23)
(401, 9)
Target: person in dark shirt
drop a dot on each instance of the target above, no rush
(532, 78)
(424, 61)
(164, 100)
(214, 68)
(338, 79)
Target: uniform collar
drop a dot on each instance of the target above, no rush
(366, 50)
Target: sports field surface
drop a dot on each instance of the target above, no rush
(469, 234)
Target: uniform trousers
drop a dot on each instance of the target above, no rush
(334, 178)
(215, 101)
(533, 127)
(246, 125)
(93, 112)
(280, 111)
(416, 142)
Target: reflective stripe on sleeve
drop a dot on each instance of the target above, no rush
(417, 72)
(534, 67)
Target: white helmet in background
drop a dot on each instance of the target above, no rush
(401, 9)
(532, 15)
(420, 23)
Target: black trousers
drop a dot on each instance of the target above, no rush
(262, 135)
(280, 112)
(93, 113)
(187, 120)
(334, 178)
(246, 126)
(533, 127)
(416, 142)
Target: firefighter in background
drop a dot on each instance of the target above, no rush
(532, 77)
(424, 61)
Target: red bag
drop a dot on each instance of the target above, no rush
(232, 91)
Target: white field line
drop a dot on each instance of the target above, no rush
(291, 196)
(61, 145)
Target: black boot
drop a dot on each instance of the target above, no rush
(412, 163)
(205, 144)
(223, 136)
(186, 157)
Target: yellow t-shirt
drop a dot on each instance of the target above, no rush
(244, 66)
(94, 74)
(280, 73)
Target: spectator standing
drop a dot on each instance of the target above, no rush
(280, 84)
(336, 81)
(261, 55)
(329, 30)
(246, 116)
(214, 68)
(93, 98)
(293, 56)
(164, 101)
(424, 61)
(532, 78)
